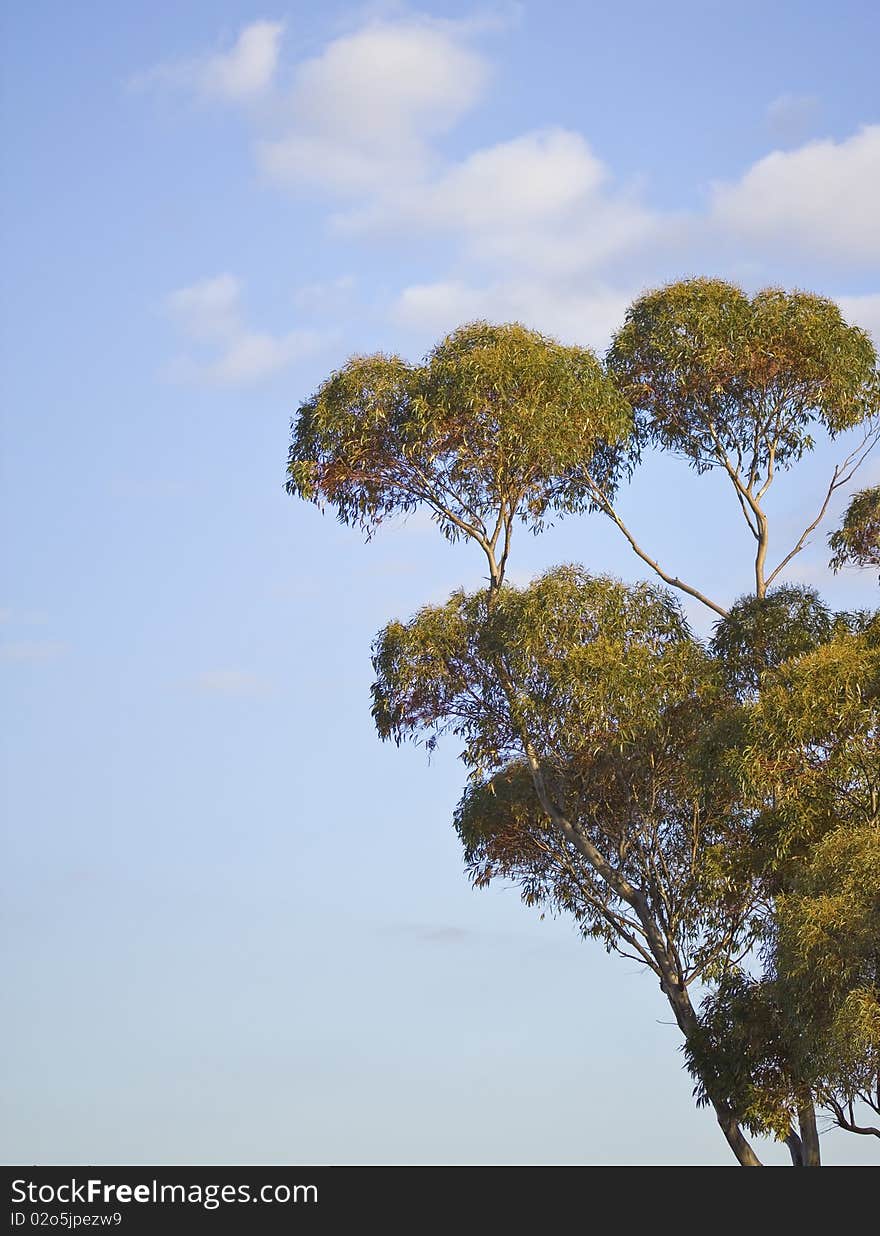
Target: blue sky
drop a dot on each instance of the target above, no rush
(237, 926)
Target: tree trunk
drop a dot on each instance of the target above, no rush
(795, 1148)
(761, 556)
(688, 1023)
(809, 1132)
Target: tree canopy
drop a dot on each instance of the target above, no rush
(488, 429)
(742, 384)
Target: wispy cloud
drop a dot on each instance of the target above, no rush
(209, 314)
(208, 310)
(586, 314)
(541, 229)
(241, 73)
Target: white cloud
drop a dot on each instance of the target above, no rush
(546, 239)
(361, 126)
(252, 357)
(821, 198)
(543, 200)
(208, 310)
(536, 217)
(365, 109)
(388, 83)
(244, 72)
(248, 69)
(537, 177)
(304, 159)
(209, 313)
(574, 314)
(440, 306)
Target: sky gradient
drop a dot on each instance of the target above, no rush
(237, 928)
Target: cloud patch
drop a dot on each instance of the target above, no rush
(240, 74)
(818, 199)
(209, 314)
(362, 113)
(579, 313)
(542, 201)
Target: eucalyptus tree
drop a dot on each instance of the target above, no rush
(857, 541)
(581, 702)
(741, 385)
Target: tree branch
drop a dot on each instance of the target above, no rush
(847, 1122)
(672, 580)
(843, 473)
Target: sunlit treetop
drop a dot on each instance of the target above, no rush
(486, 430)
(857, 541)
(743, 384)
(715, 373)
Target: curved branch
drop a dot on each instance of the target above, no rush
(847, 1120)
(672, 580)
(843, 473)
